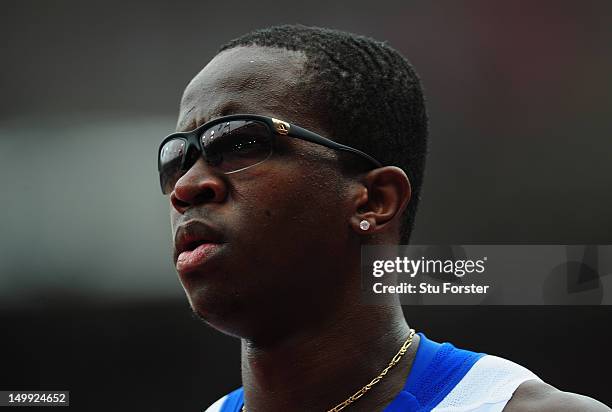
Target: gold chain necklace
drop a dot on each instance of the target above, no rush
(374, 381)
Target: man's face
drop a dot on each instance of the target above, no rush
(282, 225)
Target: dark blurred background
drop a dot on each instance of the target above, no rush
(519, 97)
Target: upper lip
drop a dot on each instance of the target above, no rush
(193, 233)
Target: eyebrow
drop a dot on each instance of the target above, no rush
(185, 127)
(194, 123)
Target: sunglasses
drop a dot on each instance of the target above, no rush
(231, 144)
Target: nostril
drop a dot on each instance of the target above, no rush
(178, 203)
(196, 187)
(206, 194)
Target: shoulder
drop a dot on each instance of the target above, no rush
(487, 386)
(535, 395)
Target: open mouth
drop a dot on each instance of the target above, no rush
(195, 242)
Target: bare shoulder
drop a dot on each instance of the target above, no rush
(535, 395)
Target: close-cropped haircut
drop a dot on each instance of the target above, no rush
(369, 94)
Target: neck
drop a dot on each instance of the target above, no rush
(318, 367)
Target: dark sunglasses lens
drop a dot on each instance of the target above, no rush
(170, 158)
(238, 144)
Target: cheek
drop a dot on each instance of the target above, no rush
(290, 205)
(291, 219)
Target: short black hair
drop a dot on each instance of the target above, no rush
(372, 96)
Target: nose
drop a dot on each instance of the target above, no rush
(198, 185)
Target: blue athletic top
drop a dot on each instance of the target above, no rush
(442, 378)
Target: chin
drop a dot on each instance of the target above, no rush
(236, 314)
(222, 311)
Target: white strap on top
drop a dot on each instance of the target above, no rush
(487, 387)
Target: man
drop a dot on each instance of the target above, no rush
(269, 214)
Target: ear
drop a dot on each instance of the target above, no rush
(384, 195)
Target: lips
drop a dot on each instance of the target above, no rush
(195, 243)
(190, 260)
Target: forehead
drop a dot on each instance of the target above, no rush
(256, 80)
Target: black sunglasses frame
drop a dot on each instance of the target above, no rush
(277, 126)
